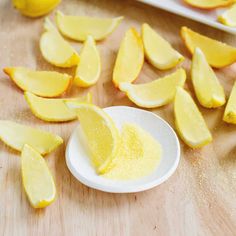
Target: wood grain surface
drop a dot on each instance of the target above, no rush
(199, 199)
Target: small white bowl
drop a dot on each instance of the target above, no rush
(78, 161)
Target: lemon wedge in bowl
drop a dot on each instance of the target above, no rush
(229, 16)
(37, 179)
(80, 27)
(55, 49)
(207, 87)
(42, 83)
(89, 68)
(189, 121)
(100, 132)
(130, 58)
(156, 93)
(230, 110)
(17, 135)
(218, 54)
(54, 109)
(158, 51)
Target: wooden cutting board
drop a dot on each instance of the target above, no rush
(199, 199)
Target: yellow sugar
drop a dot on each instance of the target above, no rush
(139, 154)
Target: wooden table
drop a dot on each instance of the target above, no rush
(199, 199)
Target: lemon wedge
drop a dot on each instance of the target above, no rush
(54, 110)
(190, 123)
(158, 51)
(230, 110)
(89, 68)
(35, 8)
(80, 27)
(208, 4)
(229, 17)
(207, 87)
(100, 132)
(130, 58)
(42, 83)
(156, 93)
(17, 135)
(218, 54)
(37, 179)
(55, 49)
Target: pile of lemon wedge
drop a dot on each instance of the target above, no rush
(42, 89)
(32, 143)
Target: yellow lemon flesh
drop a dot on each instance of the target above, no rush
(130, 58)
(42, 83)
(100, 132)
(207, 87)
(55, 49)
(218, 54)
(156, 93)
(89, 68)
(209, 4)
(37, 178)
(80, 27)
(53, 110)
(158, 51)
(17, 135)
(35, 8)
(190, 123)
(230, 110)
(138, 156)
(229, 17)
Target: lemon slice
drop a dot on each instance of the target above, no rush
(55, 49)
(156, 93)
(208, 89)
(101, 134)
(158, 51)
(89, 68)
(229, 17)
(37, 178)
(218, 54)
(230, 110)
(80, 27)
(42, 83)
(35, 8)
(209, 4)
(190, 123)
(16, 136)
(130, 58)
(52, 109)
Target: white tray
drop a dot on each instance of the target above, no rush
(204, 16)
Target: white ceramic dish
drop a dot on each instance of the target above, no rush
(203, 16)
(78, 161)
